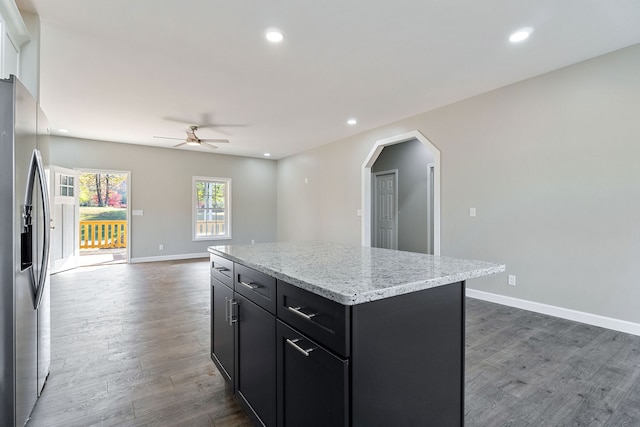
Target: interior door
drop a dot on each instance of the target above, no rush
(385, 210)
(65, 243)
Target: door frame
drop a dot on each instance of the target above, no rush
(366, 226)
(374, 193)
(113, 172)
(431, 173)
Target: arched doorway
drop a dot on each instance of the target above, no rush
(366, 186)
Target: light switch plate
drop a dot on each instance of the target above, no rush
(137, 212)
(472, 211)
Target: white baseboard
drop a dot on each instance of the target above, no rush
(564, 313)
(168, 257)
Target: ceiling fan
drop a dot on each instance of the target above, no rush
(193, 140)
(206, 122)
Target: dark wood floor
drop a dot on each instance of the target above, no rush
(528, 369)
(130, 347)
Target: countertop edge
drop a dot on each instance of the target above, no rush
(368, 296)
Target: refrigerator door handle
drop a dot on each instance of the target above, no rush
(36, 168)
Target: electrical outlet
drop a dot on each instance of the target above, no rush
(253, 241)
(512, 280)
(472, 211)
(161, 247)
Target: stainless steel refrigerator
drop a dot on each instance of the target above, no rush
(24, 254)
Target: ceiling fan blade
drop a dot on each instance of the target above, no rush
(205, 119)
(179, 120)
(168, 137)
(222, 125)
(217, 141)
(209, 146)
(184, 143)
(217, 127)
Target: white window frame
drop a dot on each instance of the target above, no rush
(65, 199)
(227, 209)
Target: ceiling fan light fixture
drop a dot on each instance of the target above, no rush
(193, 143)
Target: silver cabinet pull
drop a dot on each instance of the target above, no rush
(293, 344)
(232, 317)
(221, 269)
(251, 285)
(297, 311)
(229, 304)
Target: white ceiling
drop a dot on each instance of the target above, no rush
(116, 70)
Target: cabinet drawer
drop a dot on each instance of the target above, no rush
(321, 319)
(222, 269)
(256, 287)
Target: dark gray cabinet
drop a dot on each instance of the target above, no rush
(295, 358)
(313, 383)
(222, 330)
(243, 335)
(256, 381)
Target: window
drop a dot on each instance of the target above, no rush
(66, 185)
(211, 208)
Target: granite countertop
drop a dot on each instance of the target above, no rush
(353, 275)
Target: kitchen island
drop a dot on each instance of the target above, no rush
(335, 335)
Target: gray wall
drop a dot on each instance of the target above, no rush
(161, 187)
(550, 163)
(410, 158)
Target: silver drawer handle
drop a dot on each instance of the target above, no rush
(221, 269)
(293, 344)
(250, 285)
(297, 311)
(233, 318)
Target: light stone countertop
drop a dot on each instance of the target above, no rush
(353, 275)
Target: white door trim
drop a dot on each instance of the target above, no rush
(366, 223)
(430, 208)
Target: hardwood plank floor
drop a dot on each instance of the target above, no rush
(528, 369)
(130, 347)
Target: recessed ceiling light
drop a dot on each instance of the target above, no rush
(520, 35)
(63, 130)
(352, 121)
(267, 154)
(274, 36)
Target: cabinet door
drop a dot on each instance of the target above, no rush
(222, 330)
(256, 379)
(312, 383)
